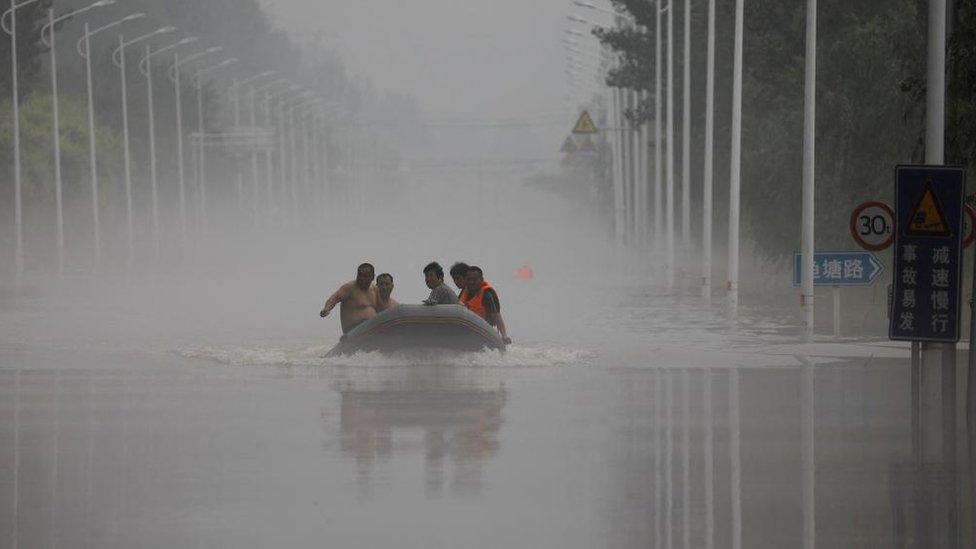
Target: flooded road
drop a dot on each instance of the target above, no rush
(678, 428)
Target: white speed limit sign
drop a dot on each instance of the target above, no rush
(873, 225)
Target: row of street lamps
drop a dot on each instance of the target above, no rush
(289, 98)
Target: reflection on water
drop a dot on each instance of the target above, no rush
(457, 415)
(805, 457)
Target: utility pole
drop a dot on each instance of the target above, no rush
(707, 176)
(809, 143)
(732, 288)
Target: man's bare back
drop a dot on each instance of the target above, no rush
(356, 300)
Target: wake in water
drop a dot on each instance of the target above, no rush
(514, 356)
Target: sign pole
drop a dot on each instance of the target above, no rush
(809, 137)
(836, 292)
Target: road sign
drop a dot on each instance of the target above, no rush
(872, 225)
(840, 268)
(928, 253)
(968, 226)
(586, 144)
(569, 146)
(584, 124)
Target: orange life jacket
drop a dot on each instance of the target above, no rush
(475, 303)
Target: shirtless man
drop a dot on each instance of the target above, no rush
(357, 299)
(384, 287)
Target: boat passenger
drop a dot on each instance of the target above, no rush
(384, 287)
(479, 297)
(459, 271)
(440, 294)
(357, 299)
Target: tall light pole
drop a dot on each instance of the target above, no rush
(118, 57)
(236, 101)
(707, 176)
(201, 130)
(11, 29)
(267, 90)
(145, 66)
(49, 41)
(84, 49)
(686, 150)
(809, 136)
(669, 187)
(658, 153)
(732, 287)
(174, 76)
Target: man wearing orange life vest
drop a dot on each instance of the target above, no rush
(481, 299)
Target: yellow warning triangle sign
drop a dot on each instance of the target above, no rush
(569, 146)
(927, 217)
(585, 124)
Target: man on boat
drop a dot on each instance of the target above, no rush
(384, 287)
(440, 294)
(357, 299)
(479, 297)
(459, 272)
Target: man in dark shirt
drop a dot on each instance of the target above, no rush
(440, 294)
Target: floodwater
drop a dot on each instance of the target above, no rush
(644, 421)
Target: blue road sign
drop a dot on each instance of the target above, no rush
(928, 253)
(841, 268)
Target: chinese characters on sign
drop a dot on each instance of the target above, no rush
(840, 268)
(927, 259)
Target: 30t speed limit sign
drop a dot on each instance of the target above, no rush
(873, 225)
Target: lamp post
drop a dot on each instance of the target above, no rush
(11, 29)
(145, 66)
(49, 41)
(236, 100)
(84, 49)
(118, 57)
(732, 287)
(282, 144)
(201, 130)
(707, 176)
(266, 90)
(174, 76)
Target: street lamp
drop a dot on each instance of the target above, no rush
(202, 158)
(118, 58)
(84, 49)
(145, 67)
(236, 100)
(174, 76)
(266, 90)
(49, 41)
(11, 29)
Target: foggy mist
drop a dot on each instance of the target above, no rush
(665, 366)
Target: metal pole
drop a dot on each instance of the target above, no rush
(269, 161)
(181, 176)
(636, 171)
(281, 157)
(732, 287)
(307, 199)
(669, 206)
(237, 165)
(57, 144)
(293, 159)
(254, 156)
(836, 295)
(618, 192)
(708, 176)
(126, 159)
(644, 181)
(686, 150)
(92, 158)
(18, 197)
(201, 159)
(152, 154)
(809, 144)
(658, 168)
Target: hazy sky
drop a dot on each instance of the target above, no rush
(459, 58)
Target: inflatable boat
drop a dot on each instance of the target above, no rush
(421, 327)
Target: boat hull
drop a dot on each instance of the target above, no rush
(420, 327)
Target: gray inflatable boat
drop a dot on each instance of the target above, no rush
(421, 327)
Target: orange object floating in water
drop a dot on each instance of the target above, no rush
(524, 273)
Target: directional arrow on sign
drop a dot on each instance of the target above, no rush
(841, 268)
